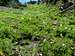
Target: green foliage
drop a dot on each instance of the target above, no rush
(4, 2)
(54, 32)
(6, 46)
(11, 3)
(56, 47)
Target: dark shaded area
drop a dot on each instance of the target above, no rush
(66, 5)
(4, 2)
(11, 3)
(32, 2)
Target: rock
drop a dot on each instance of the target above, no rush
(55, 22)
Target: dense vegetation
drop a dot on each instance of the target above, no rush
(38, 29)
(11, 3)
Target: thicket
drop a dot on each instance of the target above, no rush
(11, 3)
(4, 2)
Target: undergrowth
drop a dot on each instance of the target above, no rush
(42, 29)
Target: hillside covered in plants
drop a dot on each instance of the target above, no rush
(37, 30)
